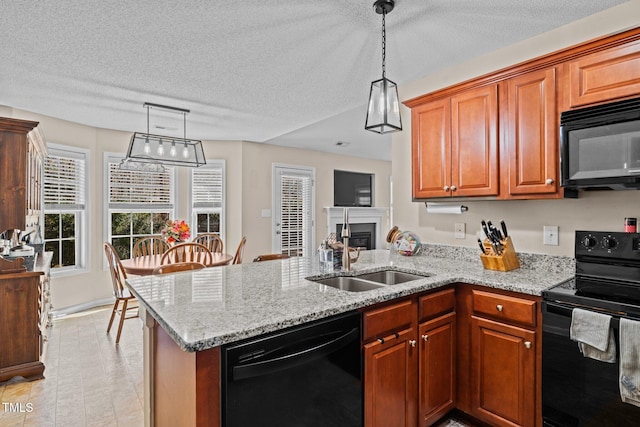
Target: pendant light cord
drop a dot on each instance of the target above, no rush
(384, 42)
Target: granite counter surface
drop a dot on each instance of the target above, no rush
(219, 305)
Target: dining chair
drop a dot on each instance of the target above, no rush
(120, 292)
(237, 258)
(210, 240)
(150, 245)
(187, 252)
(178, 266)
(269, 257)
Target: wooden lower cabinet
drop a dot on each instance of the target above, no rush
(503, 383)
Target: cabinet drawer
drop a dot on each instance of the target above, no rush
(436, 304)
(384, 320)
(504, 307)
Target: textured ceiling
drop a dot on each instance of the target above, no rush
(288, 72)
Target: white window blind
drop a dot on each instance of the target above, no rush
(296, 216)
(207, 187)
(129, 188)
(64, 178)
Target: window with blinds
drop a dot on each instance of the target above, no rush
(295, 212)
(139, 187)
(64, 194)
(207, 197)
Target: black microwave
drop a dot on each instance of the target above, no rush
(600, 146)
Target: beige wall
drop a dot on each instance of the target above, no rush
(594, 210)
(248, 190)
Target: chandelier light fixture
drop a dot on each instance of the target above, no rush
(157, 149)
(383, 112)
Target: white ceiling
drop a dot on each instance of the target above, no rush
(294, 73)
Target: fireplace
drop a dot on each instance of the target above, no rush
(374, 221)
(362, 235)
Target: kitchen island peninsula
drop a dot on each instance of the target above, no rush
(188, 316)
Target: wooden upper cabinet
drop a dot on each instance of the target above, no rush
(605, 76)
(474, 142)
(431, 146)
(455, 145)
(532, 133)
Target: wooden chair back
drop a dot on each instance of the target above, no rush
(269, 257)
(118, 275)
(178, 266)
(210, 240)
(150, 245)
(237, 258)
(187, 252)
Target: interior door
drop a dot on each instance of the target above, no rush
(293, 216)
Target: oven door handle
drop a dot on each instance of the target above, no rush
(291, 360)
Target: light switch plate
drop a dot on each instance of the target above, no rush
(266, 213)
(550, 233)
(459, 230)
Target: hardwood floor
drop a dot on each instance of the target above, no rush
(89, 381)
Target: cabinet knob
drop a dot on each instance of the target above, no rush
(549, 181)
(453, 188)
(527, 344)
(445, 188)
(412, 343)
(425, 337)
(499, 307)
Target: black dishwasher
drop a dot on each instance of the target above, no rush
(304, 376)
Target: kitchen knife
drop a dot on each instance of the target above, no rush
(504, 228)
(485, 229)
(481, 247)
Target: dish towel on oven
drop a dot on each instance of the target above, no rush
(593, 333)
(630, 361)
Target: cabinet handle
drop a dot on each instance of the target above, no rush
(499, 307)
(527, 344)
(453, 188)
(412, 343)
(445, 188)
(549, 181)
(425, 337)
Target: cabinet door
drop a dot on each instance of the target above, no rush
(436, 368)
(389, 381)
(431, 149)
(532, 133)
(474, 142)
(605, 76)
(503, 373)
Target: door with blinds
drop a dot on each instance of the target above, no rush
(293, 216)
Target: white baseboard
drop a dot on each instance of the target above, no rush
(57, 314)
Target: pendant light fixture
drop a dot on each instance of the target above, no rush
(157, 149)
(383, 112)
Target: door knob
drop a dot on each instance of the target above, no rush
(549, 181)
(445, 188)
(499, 307)
(527, 344)
(412, 343)
(453, 188)
(425, 337)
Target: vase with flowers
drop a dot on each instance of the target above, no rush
(176, 231)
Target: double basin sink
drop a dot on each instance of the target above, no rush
(370, 281)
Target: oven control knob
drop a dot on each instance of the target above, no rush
(589, 242)
(609, 243)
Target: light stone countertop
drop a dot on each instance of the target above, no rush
(214, 306)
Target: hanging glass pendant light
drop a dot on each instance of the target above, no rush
(151, 149)
(383, 113)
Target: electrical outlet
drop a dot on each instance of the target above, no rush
(550, 233)
(459, 230)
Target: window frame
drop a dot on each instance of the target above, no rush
(82, 215)
(194, 211)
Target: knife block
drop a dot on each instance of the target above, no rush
(507, 261)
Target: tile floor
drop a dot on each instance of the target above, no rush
(89, 381)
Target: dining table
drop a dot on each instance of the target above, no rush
(144, 265)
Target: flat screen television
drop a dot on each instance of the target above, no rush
(352, 189)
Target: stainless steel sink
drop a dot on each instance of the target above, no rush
(348, 283)
(391, 277)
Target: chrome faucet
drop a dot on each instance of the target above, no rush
(346, 233)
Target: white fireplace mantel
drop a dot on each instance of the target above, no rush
(358, 216)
